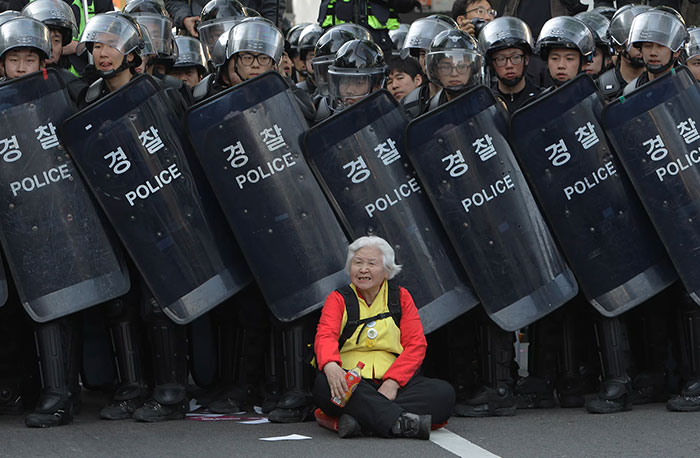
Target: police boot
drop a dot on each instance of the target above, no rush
(296, 404)
(575, 380)
(169, 349)
(272, 390)
(231, 351)
(689, 398)
(128, 348)
(58, 343)
(651, 344)
(411, 425)
(495, 398)
(536, 391)
(616, 391)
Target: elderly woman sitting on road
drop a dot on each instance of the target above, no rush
(375, 321)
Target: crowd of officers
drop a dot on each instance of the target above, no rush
(576, 357)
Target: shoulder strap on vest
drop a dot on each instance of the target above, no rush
(94, 91)
(352, 307)
(608, 83)
(201, 89)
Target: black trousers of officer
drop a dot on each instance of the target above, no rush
(374, 412)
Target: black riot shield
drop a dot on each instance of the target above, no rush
(588, 200)
(58, 252)
(247, 140)
(132, 151)
(654, 131)
(470, 174)
(358, 156)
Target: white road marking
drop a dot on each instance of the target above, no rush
(458, 445)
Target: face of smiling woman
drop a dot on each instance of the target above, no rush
(367, 271)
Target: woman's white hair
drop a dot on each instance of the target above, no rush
(388, 257)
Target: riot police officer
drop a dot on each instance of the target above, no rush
(416, 44)
(25, 47)
(507, 44)
(59, 18)
(454, 64)
(660, 34)
(191, 64)
(602, 55)
(116, 57)
(558, 352)
(628, 61)
(357, 70)
(306, 50)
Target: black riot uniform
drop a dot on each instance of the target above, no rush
(506, 33)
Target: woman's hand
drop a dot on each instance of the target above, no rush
(389, 389)
(336, 379)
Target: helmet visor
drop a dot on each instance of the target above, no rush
(346, 87)
(211, 31)
(111, 30)
(505, 32)
(160, 30)
(657, 27)
(421, 33)
(53, 13)
(454, 70)
(24, 32)
(320, 65)
(256, 37)
(189, 53)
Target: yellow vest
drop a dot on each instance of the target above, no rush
(380, 352)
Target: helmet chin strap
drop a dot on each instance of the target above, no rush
(636, 62)
(657, 69)
(512, 82)
(109, 74)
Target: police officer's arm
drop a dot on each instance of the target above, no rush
(412, 340)
(179, 10)
(326, 343)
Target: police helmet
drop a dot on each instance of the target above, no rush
(359, 32)
(620, 24)
(450, 51)
(54, 14)
(422, 32)
(606, 11)
(599, 25)
(217, 18)
(398, 36)
(308, 38)
(357, 70)
(326, 48)
(190, 53)
(658, 26)
(25, 32)
(566, 32)
(692, 47)
(503, 33)
(114, 29)
(256, 35)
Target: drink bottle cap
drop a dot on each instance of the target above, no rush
(361, 365)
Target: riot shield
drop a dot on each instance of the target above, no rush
(470, 174)
(655, 135)
(601, 226)
(358, 156)
(60, 256)
(247, 140)
(131, 150)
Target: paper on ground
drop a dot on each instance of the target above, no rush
(291, 437)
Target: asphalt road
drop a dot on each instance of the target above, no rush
(646, 431)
